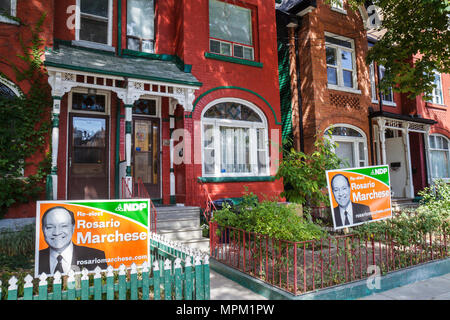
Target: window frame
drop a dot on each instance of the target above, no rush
(138, 38)
(253, 146)
(354, 140)
(338, 7)
(253, 29)
(13, 13)
(90, 44)
(434, 95)
(434, 135)
(340, 79)
(373, 88)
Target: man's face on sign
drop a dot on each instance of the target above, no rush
(341, 191)
(58, 229)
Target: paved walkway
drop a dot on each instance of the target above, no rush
(437, 288)
(225, 289)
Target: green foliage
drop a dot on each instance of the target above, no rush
(304, 174)
(278, 221)
(24, 126)
(413, 28)
(409, 227)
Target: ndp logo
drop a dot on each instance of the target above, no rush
(131, 207)
(376, 172)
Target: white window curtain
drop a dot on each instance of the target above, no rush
(233, 146)
(439, 154)
(230, 22)
(351, 146)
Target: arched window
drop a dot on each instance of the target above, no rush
(234, 138)
(439, 156)
(351, 145)
(7, 89)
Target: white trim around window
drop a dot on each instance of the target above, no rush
(439, 147)
(373, 88)
(359, 144)
(13, 13)
(94, 45)
(437, 96)
(338, 7)
(256, 132)
(338, 45)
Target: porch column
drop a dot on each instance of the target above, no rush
(52, 180)
(427, 154)
(382, 129)
(409, 187)
(128, 124)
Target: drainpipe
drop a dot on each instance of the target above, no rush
(299, 95)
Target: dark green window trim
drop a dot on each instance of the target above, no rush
(197, 100)
(187, 68)
(210, 55)
(235, 179)
(120, 74)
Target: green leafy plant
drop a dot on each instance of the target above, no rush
(304, 174)
(24, 126)
(278, 221)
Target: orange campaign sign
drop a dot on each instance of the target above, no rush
(359, 195)
(89, 234)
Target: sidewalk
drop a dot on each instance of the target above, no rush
(226, 289)
(437, 288)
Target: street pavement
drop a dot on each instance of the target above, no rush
(437, 288)
(223, 288)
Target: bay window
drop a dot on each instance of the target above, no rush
(230, 30)
(140, 25)
(235, 140)
(341, 64)
(439, 156)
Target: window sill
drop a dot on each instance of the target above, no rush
(339, 10)
(93, 45)
(436, 106)
(215, 56)
(344, 89)
(236, 179)
(7, 20)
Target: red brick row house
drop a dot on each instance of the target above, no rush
(326, 83)
(177, 96)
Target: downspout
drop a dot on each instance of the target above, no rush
(299, 95)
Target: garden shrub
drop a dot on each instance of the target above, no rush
(278, 221)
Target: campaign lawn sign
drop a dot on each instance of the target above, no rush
(89, 233)
(359, 195)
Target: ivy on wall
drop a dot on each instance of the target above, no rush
(25, 124)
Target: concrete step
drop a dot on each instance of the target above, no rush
(181, 235)
(177, 213)
(200, 244)
(189, 223)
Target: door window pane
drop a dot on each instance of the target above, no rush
(88, 140)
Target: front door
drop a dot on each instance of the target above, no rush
(146, 156)
(88, 157)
